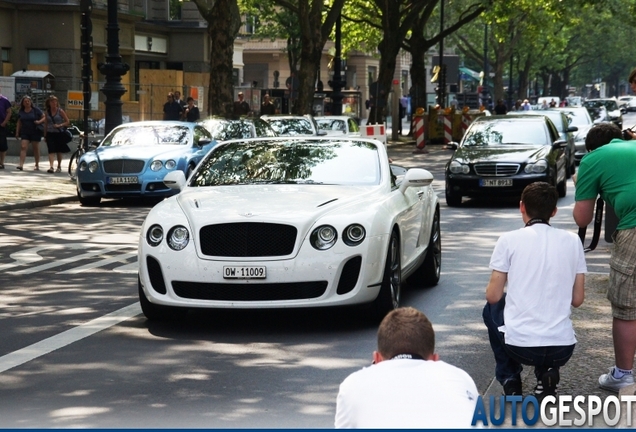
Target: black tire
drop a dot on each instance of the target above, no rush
(72, 164)
(188, 172)
(389, 296)
(88, 201)
(155, 312)
(562, 188)
(453, 199)
(428, 273)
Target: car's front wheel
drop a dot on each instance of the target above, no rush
(391, 288)
(453, 199)
(88, 201)
(428, 273)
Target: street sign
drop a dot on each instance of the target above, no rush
(75, 100)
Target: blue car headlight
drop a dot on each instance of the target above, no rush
(458, 168)
(538, 167)
(93, 166)
(83, 166)
(170, 164)
(156, 165)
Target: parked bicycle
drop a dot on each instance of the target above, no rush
(78, 136)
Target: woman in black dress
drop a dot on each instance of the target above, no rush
(29, 118)
(55, 132)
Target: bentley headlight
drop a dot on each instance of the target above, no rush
(83, 166)
(154, 235)
(178, 237)
(353, 235)
(170, 164)
(458, 168)
(323, 237)
(156, 165)
(537, 168)
(93, 166)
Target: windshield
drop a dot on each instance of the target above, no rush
(579, 117)
(609, 104)
(506, 132)
(224, 130)
(144, 135)
(290, 162)
(291, 126)
(331, 125)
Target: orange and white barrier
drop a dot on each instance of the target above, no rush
(419, 132)
(466, 121)
(377, 131)
(448, 129)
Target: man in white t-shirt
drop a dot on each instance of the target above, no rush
(407, 386)
(545, 271)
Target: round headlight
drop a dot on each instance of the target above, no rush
(83, 166)
(178, 237)
(323, 237)
(170, 164)
(353, 235)
(458, 168)
(92, 166)
(154, 235)
(537, 168)
(156, 165)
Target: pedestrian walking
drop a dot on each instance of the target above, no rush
(241, 108)
(171, 109)
(267, 107)
(191, 111)
(55, 134)
(5, 117)
(29, 129)
(407, 386)
(544, 268)
(500, 108)
(608, 170)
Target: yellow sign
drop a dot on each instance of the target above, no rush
(75, 100)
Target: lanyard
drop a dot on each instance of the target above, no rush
(407, 356)
(535, 221)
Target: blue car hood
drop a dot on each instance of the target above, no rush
(143, 152)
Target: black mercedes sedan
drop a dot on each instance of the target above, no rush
(501, 155)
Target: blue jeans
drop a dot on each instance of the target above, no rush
(509, 358)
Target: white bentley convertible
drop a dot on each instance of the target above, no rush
(290, 222)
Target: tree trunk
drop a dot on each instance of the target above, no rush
(224, 21)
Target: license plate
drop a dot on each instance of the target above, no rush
(495, 182)
(123, 180)
(244, 272)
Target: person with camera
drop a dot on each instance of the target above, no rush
(608, 169)
(544, 268)
(407, 386)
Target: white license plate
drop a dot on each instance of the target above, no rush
(244, 272)
(495, 182)
(123, 180)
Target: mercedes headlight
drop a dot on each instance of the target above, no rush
(537, 168)
(178, 238)
(323, 237)
(458, 168)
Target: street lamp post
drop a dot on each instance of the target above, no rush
(113, 69)
(441, 95)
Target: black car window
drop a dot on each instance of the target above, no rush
(263, 129)
(506, 132)
(201, 133)
(353, 126)
(291, 126)
(224, 130)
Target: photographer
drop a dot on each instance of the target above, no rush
(608, 170)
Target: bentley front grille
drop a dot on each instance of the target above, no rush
(249, 292)
(248, 239)
(123, 166)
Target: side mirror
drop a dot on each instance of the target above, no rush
(204, 141)
(175, 180)
(322, 133)
(559, 144)
(417, 177)
(573, 129)
(452, 145)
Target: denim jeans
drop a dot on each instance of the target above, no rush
(509, 358)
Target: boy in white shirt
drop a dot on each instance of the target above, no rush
(544, 268)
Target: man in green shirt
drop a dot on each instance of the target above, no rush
(609, 170)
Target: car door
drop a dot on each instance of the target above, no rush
(198, 151)
(559, 154)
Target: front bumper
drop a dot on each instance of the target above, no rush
(469, 185)
(97, 186)
(340, 276)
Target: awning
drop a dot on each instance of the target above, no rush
(468, 74)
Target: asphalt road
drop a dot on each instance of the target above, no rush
(75, 351)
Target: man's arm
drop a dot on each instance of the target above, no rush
(495, 288)
(578, 291)
(583, 212)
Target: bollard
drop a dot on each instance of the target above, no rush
(448, 129)
(420, 142)
(376, 131)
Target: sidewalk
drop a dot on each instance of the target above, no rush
(594, 352)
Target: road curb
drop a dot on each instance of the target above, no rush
(37, 203)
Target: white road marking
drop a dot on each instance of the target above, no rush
(106, 261)
(71, 259)
(67, 337)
